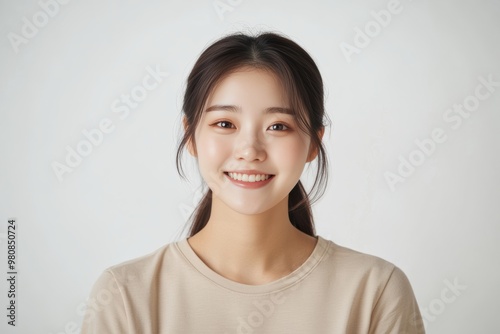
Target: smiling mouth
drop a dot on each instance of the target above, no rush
(249, 177)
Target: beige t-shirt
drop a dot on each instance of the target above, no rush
(171, 290)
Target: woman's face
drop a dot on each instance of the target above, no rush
(251, 135)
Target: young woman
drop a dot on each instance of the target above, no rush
(253, 118)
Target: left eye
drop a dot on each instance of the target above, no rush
(278, 127)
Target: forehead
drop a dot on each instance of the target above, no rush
(249, 86)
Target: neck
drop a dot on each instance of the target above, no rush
(252, 249)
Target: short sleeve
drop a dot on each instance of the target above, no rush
(396, 310)
(105, 312)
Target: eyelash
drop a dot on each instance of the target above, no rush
(286, 126)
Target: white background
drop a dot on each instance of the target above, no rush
(125, 199)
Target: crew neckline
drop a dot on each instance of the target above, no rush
(281, 283)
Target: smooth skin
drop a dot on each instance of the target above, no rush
(249, 238)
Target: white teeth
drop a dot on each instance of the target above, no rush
(249, 178)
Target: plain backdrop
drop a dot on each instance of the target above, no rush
(390, 84)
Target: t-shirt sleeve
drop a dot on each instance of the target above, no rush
(396, 310)
(105, 312)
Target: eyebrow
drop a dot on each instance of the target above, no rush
(231, 108)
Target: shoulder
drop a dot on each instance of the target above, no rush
(142, 268)
(378, 283)
(353, 263)
(109, 303)
(365, 273)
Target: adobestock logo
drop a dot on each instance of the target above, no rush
(449, 294)
(90, 308)
(95, 137)
(222, 7)
(265, 308)
(427, 146)
(372, 28)
(30, 28)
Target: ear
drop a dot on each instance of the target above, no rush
(313, 151)
(190, 145)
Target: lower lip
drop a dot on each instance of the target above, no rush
(250, 185)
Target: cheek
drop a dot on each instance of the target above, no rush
(291, 155)
(212, 150)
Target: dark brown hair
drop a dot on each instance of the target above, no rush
(302, 83)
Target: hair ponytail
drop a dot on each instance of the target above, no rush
(299, 210)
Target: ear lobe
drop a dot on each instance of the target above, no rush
(313, 151)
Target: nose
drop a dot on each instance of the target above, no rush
(249, 147)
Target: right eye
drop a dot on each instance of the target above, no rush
(224, 124)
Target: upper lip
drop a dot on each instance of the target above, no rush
(248, 171)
